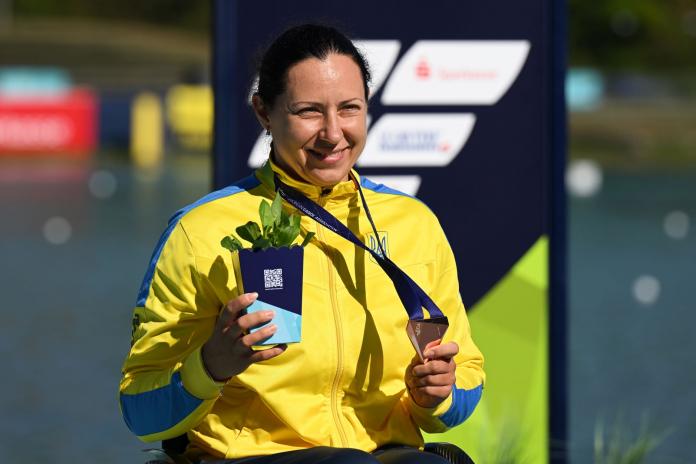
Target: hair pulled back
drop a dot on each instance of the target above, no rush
(299, 43)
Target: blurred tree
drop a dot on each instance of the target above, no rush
(633, 34)
(611, 34)
(187, 14)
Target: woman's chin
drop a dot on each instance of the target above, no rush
(327, 177)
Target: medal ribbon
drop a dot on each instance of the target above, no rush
(411, 295)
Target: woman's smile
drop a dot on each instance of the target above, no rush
(329, 157)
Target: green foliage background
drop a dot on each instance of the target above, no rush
(637, 34)
(193, 15)
(610, 34)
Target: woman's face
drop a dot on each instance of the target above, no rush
(319, 123)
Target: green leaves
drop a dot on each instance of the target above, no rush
(307, 238)
(231, 243)
(266, 215)
(278, 229)
(260, 243)
(249, 231)
(271, 215)
(277, 209)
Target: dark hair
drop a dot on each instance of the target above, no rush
(297, 44)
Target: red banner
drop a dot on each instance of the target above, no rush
(61, 124)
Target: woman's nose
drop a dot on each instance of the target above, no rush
(332, 132)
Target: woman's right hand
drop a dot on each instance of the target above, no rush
(228, 352)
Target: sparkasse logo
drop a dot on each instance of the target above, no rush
(423, 69)
(455, 72)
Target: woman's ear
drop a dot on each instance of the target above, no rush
(261, 112)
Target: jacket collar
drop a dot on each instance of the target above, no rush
(339, 192)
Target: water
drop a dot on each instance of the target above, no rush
(66, 308)
(627, 358)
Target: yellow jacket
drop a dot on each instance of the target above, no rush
(343, 384)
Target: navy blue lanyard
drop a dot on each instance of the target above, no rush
(412, 296)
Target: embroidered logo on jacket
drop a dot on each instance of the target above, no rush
(374, 245)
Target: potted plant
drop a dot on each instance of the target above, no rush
(272, 267)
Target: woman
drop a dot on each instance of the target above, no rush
(352, 390)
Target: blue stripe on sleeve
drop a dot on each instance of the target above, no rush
(380, 188)
(247, 183)
(172, 403)
(463, 404)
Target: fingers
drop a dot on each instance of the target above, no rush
(436, 372)
(432, 344)
(258, 336)
(448, 350)
(255, 319)
(233, 309)
(228, 352)
(440, 392)
(439, 380)
(233, 323)
(433, 367)
(265, 355)
(438, 360)
(238, 325)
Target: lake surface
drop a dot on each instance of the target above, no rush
(67, 306)
(631, 359)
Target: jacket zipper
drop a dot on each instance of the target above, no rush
(339, 347)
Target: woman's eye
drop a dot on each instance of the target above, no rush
(351, 108)
(308, 111)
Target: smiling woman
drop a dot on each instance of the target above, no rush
(319, 123)
(352, 390)
(314, 103)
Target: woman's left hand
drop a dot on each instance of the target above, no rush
(431, 382)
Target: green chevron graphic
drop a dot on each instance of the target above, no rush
(510, 326)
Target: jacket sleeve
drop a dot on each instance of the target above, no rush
(470, 376)
(165, 389)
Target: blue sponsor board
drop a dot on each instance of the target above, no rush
(488, 64)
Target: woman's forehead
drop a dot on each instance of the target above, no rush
(336, 73)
